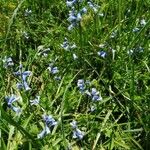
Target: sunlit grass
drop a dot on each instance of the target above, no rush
(93, 80)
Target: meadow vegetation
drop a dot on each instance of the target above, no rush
(75, 74)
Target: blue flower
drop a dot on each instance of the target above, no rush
(94, 94)
(77, 133)
(73, 124)
(24, 75)
(71, 3)
(81, 85)
(67, 46)
(23, 85)
(49, 122)
(44, 132)
(35, 101)
(93, 6)
(10, 100)
(52, 69)
(8, 62)
(102, 54)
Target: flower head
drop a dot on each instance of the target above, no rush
(73, 124)
(53, 69)
(35, 101)
(49, 122)
(8, 62)
(102, 54)
(81, 85)
(10, 100)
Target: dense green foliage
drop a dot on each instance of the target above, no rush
(111, 55)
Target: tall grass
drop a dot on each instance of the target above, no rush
(111, 57)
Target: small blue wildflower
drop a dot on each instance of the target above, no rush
(71, 3)
(8, 62)
(19, 86)
(93, 6)
(35, 101)
(94, 94)
(49, 122)
(71, 26)
(83, 11)
(10, 100)
(67, 46)
(23, 85)
(81, 85)
(44, 132)
(102, 54)
(26, 86)
(79, 17)
(73, 124)
(25, 74)
(76, 132)
(52, 69)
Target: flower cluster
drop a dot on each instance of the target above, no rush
(23, 75)
(75, 16)
(81, 85)
(77, 133)
(52, 69)
(94, 94)
(49, 122)
(93, 6)
(68, 47)
(102, 54)
(10, 100)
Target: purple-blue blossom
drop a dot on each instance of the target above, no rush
(94, 94)
(10, 100)
(73, 124)
(102, 54)
(67, 46)
(77, 133)
(53, 70)
(8, 62)
(49, 122)
(93, 6)
(35, 101)
(81, 85)
(70, 3)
